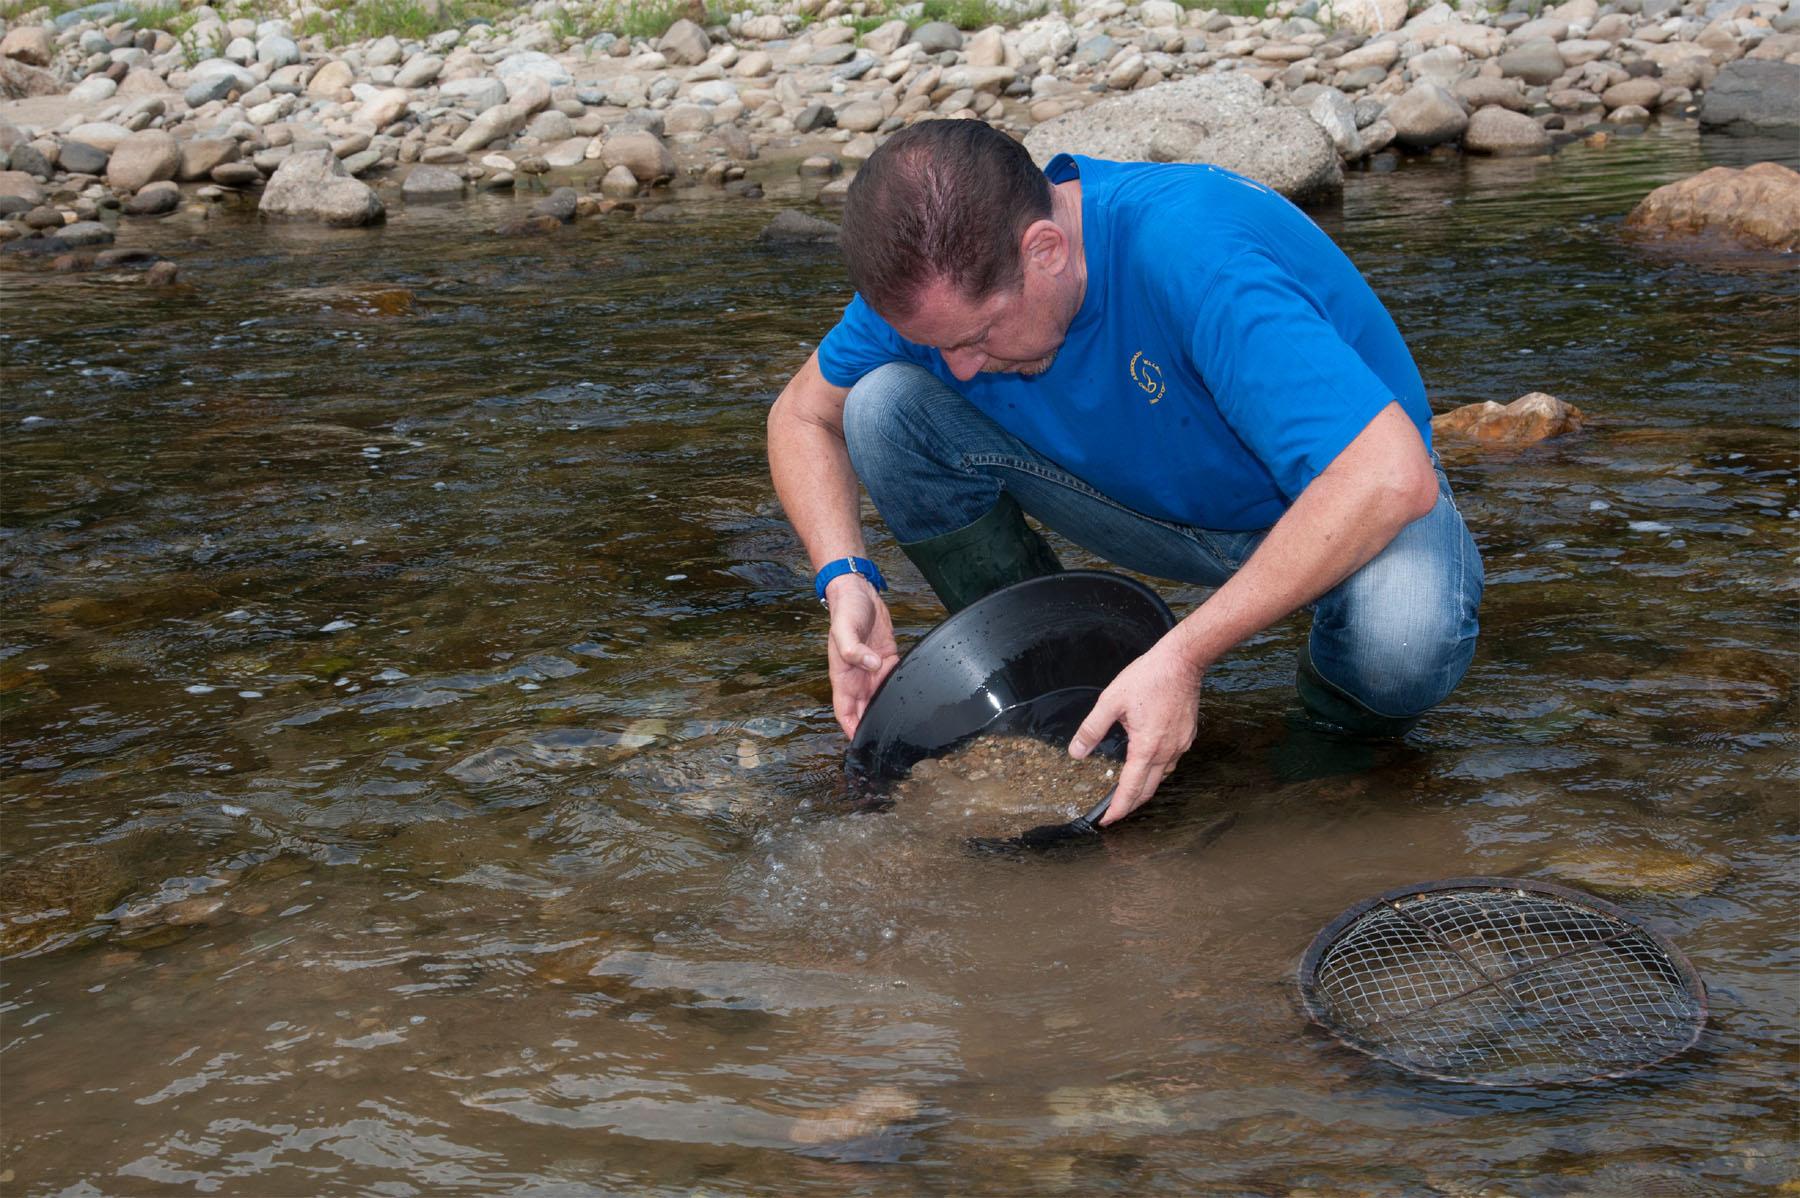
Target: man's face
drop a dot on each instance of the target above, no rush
(1015, 331)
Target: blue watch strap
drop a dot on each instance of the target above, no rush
(848, 565)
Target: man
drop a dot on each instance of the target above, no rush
(1168, 364)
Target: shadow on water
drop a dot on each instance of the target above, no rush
(420, 773)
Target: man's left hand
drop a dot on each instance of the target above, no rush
(1157, 699)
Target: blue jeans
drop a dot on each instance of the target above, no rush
(1387, 643)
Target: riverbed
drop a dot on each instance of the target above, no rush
(420, 776)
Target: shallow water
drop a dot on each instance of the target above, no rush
(419, 777)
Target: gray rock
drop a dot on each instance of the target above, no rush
(502, 120)
(1426, 115)
(85, 232)
(427, 184)
(1335, 114)
(790, 226)
(154, 200)
(935, 37)
(831, 56)
(236, 174)
(1096, 50)
(480, 94)
(619, 183)
(532, 64)
(1536, 62)
(560, 204)
(419, 71)
(550, 125)
(385, 52)
(277, 51)
(362, 162)
(1481, 91)
(1224, 120)
(29, 159)
(313, 185)
(1753, 95)
(82, 159)
(1362, 78)
(814, 116)
(1499, 131)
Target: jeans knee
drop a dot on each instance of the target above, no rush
(883, 410)
(1399, 635)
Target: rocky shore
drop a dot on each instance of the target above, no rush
(108, 116)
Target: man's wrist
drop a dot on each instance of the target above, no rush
(845, 567)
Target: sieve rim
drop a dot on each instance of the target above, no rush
(1328, 936)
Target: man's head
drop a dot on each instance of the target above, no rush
(950, 234)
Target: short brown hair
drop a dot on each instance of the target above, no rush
(943, 199)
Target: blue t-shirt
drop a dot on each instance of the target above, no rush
(1225, 351)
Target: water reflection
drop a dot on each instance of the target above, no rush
(420, 777)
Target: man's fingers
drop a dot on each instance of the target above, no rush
(1093, 730)
(1137, 782)
(854, 652)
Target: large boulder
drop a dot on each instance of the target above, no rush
(1224, 120)
(147, 156)
(1529, 418)
(21, 185)
(500, 121)
(104, 136)
(1759, 205)
(685, 44)
(427, 184)
(1426, 115)
(200, 155)
(1536, 62)
(1754, 95)
(531, 64)
(313, 185)
(1365, 16)
(29, 44)
(21, 81)
(330, 79)
(639, 151)
(1496, 130)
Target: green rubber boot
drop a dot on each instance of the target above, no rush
(1328, 703)
(996, 550)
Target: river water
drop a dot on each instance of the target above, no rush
(419, 777)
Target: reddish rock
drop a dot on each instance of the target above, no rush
(1759, 205)
(1534, 417)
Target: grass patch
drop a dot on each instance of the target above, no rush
(976, 14)
(35, 12)
(1232, 8)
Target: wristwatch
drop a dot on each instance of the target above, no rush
(847, 565)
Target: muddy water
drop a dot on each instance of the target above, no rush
(418, 776)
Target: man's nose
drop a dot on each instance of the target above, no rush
(965, 364)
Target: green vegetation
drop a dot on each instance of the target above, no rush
(977, 14)
(35, 12)
(1232, 8)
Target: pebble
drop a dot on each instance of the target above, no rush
(337, 626)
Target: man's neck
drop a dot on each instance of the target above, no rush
(1065, 210)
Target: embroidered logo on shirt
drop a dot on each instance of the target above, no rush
(1148, 376)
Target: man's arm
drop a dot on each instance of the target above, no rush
(818, 489)
(1377, 485)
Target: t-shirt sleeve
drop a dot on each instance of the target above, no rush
(860, 342)
(1292, 389)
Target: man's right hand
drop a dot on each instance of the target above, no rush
(861, 647)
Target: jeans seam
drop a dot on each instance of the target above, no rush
(1064, 479)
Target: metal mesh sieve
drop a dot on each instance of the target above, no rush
(1500, 982)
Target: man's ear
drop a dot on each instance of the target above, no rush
(1044, 245)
